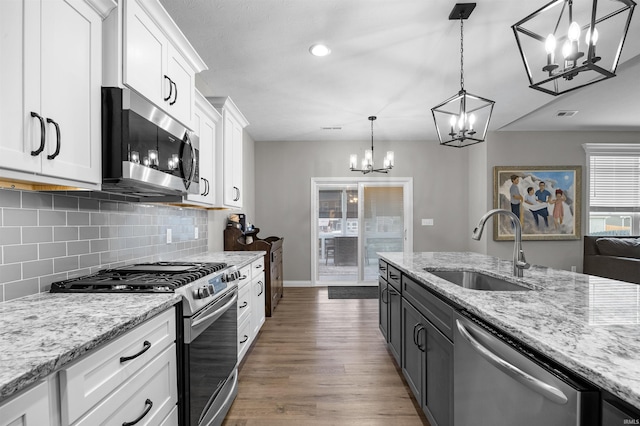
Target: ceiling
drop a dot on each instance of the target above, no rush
(391, 58)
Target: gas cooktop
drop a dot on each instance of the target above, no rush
(157, 277)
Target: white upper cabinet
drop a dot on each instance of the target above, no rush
(158, 62)
(207, 125)
(50, 90)
(233, 123)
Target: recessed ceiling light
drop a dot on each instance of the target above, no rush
(319, 50)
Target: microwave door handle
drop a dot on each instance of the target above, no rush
(193, 158)
(537, 385)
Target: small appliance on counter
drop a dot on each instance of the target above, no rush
(207, 373)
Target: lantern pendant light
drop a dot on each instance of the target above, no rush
(560, 25)
(463, 119)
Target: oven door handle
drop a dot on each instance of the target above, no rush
(201, 323)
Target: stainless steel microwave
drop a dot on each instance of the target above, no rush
(146, 154)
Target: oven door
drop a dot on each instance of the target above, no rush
(210, 361)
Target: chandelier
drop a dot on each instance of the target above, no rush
(367, 162)
(558, 43)
(463, 119)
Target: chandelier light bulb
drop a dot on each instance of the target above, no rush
(391, 158)
(550, 44)
(472, 120)
(368, 155)
(566, 49)
(591, 39)
(353, 161)
(574, 31)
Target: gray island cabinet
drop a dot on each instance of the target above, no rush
(583, 327)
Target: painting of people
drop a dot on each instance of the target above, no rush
(545, 199)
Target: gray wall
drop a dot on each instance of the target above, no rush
(283, 199)
(539, 149)
(452, 186)
(46, 237)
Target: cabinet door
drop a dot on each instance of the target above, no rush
(71, 77)
(383, 307)
(395, 323)
(20, 41)
(438, 390)
(232, 162)
(145, 55)
(182, 77)
(413, 346)
(206, 131)
(257, 304)
(29, 408)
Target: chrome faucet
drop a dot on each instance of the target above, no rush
(519, 262)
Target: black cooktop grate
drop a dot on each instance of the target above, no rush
(159, 277)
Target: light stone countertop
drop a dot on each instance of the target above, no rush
(588, 324)
(41, 333)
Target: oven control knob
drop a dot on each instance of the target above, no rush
(202, 293)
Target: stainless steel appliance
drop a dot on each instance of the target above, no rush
(497, 381)
(146, 154)
(208, 357)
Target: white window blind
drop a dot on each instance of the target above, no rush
(614, 181)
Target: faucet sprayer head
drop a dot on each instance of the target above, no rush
(477, 233)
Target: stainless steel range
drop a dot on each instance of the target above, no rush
(208, 378)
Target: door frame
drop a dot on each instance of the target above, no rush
(405, 182)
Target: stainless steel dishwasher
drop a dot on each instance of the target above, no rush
(499, 382)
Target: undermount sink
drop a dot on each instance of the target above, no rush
(477, 281)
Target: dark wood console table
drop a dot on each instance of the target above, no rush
(235, 240)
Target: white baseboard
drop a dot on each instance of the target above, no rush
(297, 283)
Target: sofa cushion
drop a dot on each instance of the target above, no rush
(620, 247)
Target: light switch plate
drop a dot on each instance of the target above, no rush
(196, 233)
(168, 235)
(427, 222)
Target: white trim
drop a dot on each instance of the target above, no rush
(405, 182)
(611, 148)
(297, 283)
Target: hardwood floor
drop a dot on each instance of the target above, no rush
(322, 362)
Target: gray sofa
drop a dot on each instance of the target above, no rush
(616, 257)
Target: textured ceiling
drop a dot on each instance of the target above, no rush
(391, 58)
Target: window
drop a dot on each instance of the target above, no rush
(614, 189)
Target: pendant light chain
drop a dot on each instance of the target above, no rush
(461, 54)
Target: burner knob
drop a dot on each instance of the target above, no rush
(202, 293)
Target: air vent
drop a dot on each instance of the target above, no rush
(566, 113)
(331, 128)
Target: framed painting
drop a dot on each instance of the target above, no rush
(546, 199)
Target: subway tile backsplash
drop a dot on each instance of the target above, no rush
(48, 237)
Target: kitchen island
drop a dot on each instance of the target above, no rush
(585, 323)
(42, 333)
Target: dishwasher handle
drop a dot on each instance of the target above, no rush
(551, 393)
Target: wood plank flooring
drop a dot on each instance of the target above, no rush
(322, 362)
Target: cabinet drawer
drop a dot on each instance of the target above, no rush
(393, 275)
(276, 256)
(435, 310)
(171, 419)
(153, 389)
(382, 269)
(257, 267)
(245, 276)
(244, 303)
(85, 383)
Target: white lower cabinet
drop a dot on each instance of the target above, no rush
(251, 307)
(29, 408)
(147, 398)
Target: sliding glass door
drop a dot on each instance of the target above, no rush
(355, 219)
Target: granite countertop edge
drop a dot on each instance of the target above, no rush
(19, 318)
